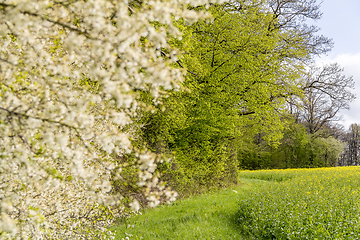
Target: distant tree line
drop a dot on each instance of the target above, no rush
(351, 153)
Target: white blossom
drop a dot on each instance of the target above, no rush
(135, 206)
(67, 74)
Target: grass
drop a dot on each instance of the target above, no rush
(208, 216)
(271, 204)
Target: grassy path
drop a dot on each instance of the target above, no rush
(208, 216)
(299, 204)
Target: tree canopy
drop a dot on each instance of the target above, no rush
(243, 68)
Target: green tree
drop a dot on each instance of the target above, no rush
(297, 149)
(240, 75)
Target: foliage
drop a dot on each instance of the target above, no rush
(297, 149)
(305, 204)
(239, 76)
(69, 76)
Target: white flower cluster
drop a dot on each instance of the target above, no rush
(68, 71)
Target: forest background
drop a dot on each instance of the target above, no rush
(109, 106)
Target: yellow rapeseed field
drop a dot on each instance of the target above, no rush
(320, 203)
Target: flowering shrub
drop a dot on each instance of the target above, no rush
(69, 72)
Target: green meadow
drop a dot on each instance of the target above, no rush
(208, 216)
(321, 203)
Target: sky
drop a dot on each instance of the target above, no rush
(341, 22)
